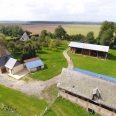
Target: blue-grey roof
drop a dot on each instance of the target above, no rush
(89, 46)
(4, 59)
(34, 64)
(96, 74)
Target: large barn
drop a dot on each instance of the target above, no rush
(4, 57)
(99, 51)
(95, 93)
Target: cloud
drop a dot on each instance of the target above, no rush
(61, 10)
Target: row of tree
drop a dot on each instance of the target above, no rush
(13, 30)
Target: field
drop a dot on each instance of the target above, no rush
(106, 67)
(83, 29)
(70, 28)
(26, 106)
(31, 106)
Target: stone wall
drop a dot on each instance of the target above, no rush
(86, 104)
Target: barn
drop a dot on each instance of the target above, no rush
(89, 91)
(4, 57)
(99, 51)
(13, 66)
(34, 64)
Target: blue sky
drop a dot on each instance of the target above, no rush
(58, 10)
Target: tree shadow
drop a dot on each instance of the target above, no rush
(111, 56)
(45, 66)
(43, 52)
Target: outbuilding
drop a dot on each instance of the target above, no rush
(94, 50)
(13, 66)
(34, 64)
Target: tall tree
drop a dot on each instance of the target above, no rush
(106, 34)
(90, 37)
(60, 32)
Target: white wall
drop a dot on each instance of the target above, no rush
(33, 69)
(17, 69)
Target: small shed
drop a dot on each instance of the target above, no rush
(94, 50)
(13, 66)
(34, 64)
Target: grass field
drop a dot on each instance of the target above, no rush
(10, 38)
(106, 67)
(82, 29)
(31, 106)
(63, 107)
(26, 106)
(54, 62)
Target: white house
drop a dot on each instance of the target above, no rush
(13, 66)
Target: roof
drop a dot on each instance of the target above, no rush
(75, 82)
(4, 59)
(89, 46)
(34, 64)
(113, 79)
(3, 50)
(31, 59)
(24, 37)
(10, 63)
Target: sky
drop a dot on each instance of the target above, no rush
(58, 10)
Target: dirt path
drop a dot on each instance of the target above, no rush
(32, 87)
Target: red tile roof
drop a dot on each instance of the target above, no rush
(31, 59)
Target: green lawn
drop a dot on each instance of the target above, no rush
(31, 106)
(26, 106)
(54, 62)
(10, 38)
(82, 29)
(63, 107)
(106, 67)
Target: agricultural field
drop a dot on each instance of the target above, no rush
(82, 29)
(105, 67)
(71, 29)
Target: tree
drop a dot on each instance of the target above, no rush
(106, 37)
(11, 45)
(2, 38)
(60, 32)
(90, 38)
(106, 34)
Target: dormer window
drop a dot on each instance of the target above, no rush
(96, 95)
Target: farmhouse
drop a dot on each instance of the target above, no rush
(88, 91)
(4, 57)
(99, 51)
(13, 66)
(34, 64)
(24, 37)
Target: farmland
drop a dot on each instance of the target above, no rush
(70, 28)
